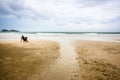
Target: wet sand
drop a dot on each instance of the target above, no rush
(61, 60)
(65, 67)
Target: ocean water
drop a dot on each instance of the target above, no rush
(102, 36)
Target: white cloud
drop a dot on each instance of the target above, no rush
(79, 13)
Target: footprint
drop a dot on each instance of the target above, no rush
(74, 77)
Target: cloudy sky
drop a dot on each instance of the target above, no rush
(60, 15)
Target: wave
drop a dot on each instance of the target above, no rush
(10, 33)
(58, 33)
(51, 34)
(91, 33)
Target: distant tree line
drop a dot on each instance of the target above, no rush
(12, 30)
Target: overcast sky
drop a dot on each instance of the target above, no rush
(60, 15)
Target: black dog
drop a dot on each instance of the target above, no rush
(24, 39)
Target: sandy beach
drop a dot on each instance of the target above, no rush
(59, 60)
(19, 61)
(59, 39)
(98, 60)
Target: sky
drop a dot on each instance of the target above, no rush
(60, 15)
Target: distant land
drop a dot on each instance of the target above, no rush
(12, 30)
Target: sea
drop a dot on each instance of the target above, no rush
(99, 36)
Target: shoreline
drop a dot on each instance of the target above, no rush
(55, 37)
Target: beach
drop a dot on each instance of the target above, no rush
(98, 60)
(19, 61)
(59, 39)
(60, 57)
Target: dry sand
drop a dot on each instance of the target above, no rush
(49, 60)
(19, 61)
(98, 60)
